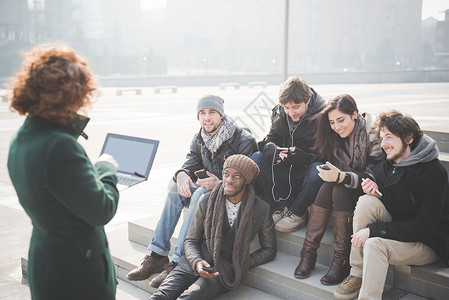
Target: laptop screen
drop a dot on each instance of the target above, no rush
(133, 154)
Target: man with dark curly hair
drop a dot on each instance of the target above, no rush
(403, 218)
(68, 199)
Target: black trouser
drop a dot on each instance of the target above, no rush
(337, 197)
(182, 284)
(292, 188)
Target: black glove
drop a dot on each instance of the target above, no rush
(299, 158)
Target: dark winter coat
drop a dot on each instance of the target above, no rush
(302, 136)
(69, 200)
(199, 157)
(415, 196)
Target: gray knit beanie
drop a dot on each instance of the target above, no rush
(244, 165)
(211, 102)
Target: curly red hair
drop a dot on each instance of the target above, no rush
(55, 84)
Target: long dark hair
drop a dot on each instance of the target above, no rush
(325, 138)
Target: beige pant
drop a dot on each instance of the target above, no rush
(371, 262)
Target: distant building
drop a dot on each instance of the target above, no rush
(442, 42)
(99, 27)
(13, 21)
(248, 36)
(428, 30)
(14, 33)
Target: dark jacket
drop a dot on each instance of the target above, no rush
(262, 224)
(199, 157)
(68, 200)
(301, 138)
(414, 193)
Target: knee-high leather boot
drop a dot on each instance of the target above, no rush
(340, 267)
(315, 232)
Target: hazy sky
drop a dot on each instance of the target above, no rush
(430, 7)
(433, 8)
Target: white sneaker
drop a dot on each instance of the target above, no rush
(279, 214)
(290, 222)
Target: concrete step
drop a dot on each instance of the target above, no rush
(273, 280)
(141, 230)
(430, 281)
(126, 291)
(127, 255)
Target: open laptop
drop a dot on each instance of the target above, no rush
(134, 155)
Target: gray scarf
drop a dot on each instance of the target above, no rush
(353, 151)
(226, 131)
(231, 275)
(425, 151)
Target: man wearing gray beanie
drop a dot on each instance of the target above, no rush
(217, 247)
(218, 138)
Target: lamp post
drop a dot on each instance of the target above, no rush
(285, 75)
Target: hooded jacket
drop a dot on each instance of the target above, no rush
(301, 138)
(414, 193)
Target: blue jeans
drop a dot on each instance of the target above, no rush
(160, 243)
(303, 188)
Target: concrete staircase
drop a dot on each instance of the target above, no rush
(275, 279)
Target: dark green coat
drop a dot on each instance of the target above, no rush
(69, 200)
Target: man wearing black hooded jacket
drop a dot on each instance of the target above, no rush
(288, 173)
(402, 219)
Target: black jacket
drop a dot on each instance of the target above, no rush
(301, 138)
(415, 196)
(199, 157)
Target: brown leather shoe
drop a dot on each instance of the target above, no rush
(148, 267)
(156, 281)
(349, 288)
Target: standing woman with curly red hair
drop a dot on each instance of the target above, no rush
(68, 199)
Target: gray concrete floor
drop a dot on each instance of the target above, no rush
(171, 119)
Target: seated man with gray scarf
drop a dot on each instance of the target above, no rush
(223, 226)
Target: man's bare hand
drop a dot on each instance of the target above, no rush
(370, 187)
(184, 183)
(359, 238)
(205, 274)
(209, 182)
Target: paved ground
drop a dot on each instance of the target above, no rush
(171, 119)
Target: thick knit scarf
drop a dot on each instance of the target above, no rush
(226, 131)
(231, 275)
(352, 152)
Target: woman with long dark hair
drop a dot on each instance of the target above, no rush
(344, 142)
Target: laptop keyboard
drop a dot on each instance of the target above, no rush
(128, 181)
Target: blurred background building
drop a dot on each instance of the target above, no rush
(192, 37)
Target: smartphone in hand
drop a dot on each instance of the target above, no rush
(209, 269)
(201, 174)
(324, 167)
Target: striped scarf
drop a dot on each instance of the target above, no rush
(226, 131)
